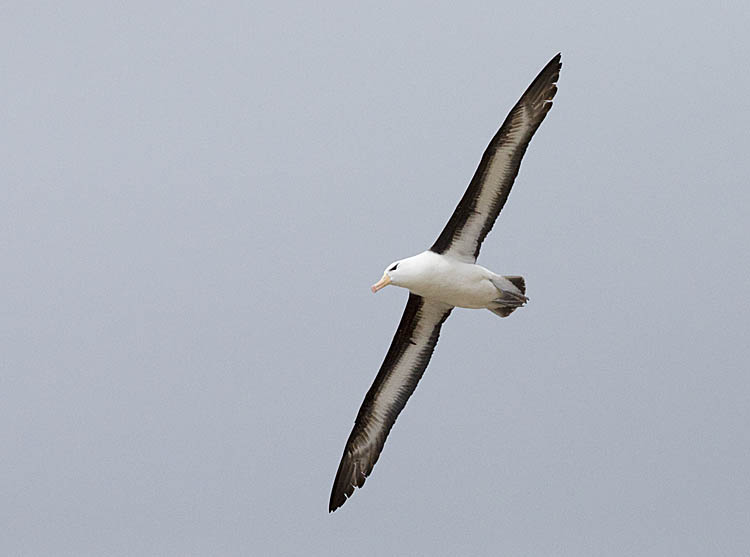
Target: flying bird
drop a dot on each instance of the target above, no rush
(441, 278)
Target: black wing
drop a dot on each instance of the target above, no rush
(404, 364)
(488, 190)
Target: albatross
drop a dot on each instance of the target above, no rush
(441, 278)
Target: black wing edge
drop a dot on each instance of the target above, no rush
(350, 473)
(538, 96)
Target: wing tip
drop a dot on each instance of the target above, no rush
(348, 477)
(336, 503)
(538, 97)
(342, 486)
(555, 62)
(339, 497)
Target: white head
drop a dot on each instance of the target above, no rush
(400, 273)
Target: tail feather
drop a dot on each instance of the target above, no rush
(508, 300)
(502, 311)
(518, 282)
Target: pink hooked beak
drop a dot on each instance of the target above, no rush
(382, 283)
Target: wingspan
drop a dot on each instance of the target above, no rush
(404, 364)
(488, 190)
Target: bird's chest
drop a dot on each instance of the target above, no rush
(461, 287)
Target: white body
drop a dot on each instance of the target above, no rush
(448, 280)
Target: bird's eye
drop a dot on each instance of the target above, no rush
(393, 268)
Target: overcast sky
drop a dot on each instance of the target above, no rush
(195, 200)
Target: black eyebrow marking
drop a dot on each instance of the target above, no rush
(393, 268)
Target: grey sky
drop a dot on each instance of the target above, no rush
(195, 200)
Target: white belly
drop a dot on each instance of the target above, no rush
(456, 283)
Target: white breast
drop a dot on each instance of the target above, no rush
(453, 282)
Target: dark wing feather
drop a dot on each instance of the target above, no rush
(488, 190)
(404, 364)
